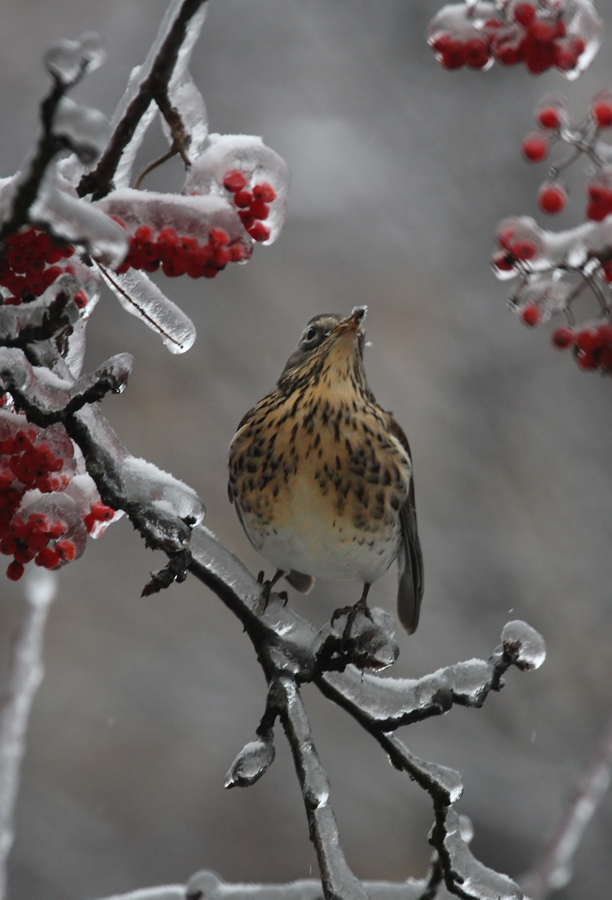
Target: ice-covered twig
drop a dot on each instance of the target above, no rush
(161, 507)
(24, 678)
(84, 55)
(206, 885)
(553, 867)
(43, 318)
(45, 398)
(149, 84)
(288, 649)
(338, 881)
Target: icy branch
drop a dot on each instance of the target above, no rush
(24, 678)
(167, 59)
(339, 883)
(553, 868)
(42, 318)
(46, 398)
(67, 62)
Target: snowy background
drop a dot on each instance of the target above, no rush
(400, 173)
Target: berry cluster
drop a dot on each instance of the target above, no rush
(41, 508)
(29, 266)
(542, 35)
(252, 205)
(554, 126)
(179, 255)
(591, 344)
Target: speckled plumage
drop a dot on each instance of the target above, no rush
(321, 476)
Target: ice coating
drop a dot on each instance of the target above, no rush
(57, 506)
(143, 299)
(69, 60)
(58, 207)
(187, 99)
(583, 22)
(252, 762)
(15, 319)
(161, 892)
(206, 885)
(399, 701)
(474, 880)
(141, 73)
(531, 644)
(189, 216)
(146, 483)
(248, 155)
(86, 129)
(434, 778)
(548, 293)
(369, 640)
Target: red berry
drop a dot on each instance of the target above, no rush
(218, 238)
(530, 315)
(535, 146)
(167, 237)
(552, 197)
(602, 113)
(524, 249)
(549, 117)
(234, 181)
(259, 210)
(264, 192)
(259, 232)
(453, 57)
(524, 14)
(243, 199)
(65, 549)
(563, 337)
(599, 202)
(47, 558)
(15, 571)
(503, 260)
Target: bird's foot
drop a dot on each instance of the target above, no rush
(353, 613)
(266, 591)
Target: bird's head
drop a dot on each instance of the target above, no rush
(329, 343)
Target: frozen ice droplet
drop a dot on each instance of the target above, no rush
(530, 644)
(86, 130)
(69, 60)
(252, 762)
(466, 829)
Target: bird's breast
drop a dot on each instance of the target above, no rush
(319, 485)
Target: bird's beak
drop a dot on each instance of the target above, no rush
(353, 322)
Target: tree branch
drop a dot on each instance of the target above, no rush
(25, 675)
(153, 88)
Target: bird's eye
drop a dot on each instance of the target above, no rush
(311, 334)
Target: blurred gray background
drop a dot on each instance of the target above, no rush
(400, 173)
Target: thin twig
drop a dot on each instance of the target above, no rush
(338, 881)
(24, 678)
(154, 88)
(552, 869)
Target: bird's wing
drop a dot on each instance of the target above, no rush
(410, 559)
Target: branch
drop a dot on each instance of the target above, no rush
(153, 87)
(338, 881)
(24, 679)
(48, 146)
(552, 868)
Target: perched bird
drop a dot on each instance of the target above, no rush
(321, 476)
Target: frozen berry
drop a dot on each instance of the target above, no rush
(535, 146)
(530, 315)
(552, 197)
(563, 337)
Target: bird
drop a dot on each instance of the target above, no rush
(321, 476)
